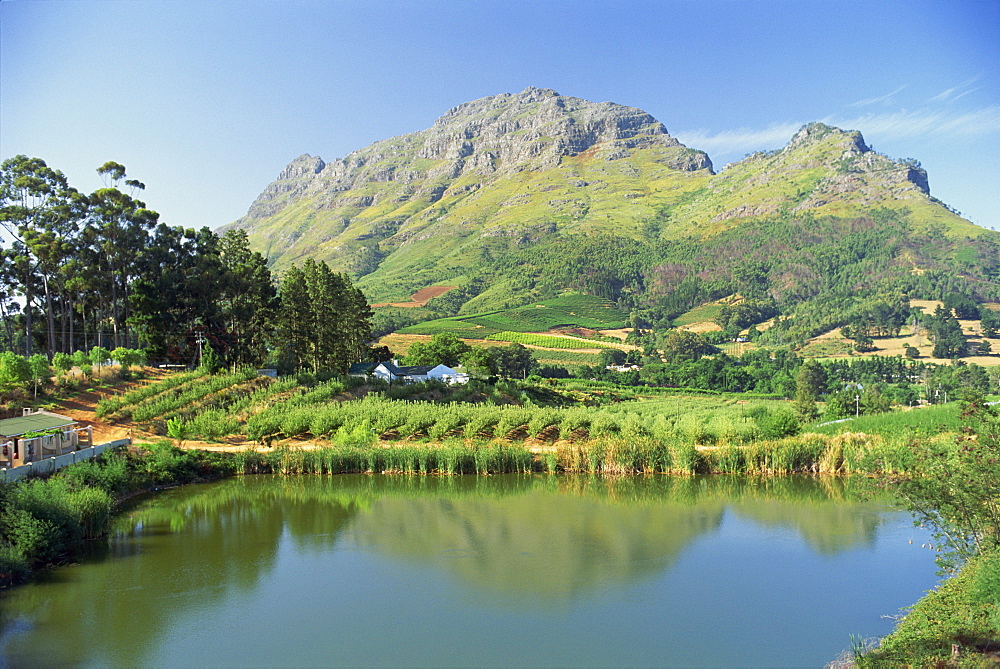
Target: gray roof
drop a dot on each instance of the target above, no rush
(361, 368)
(413, 370)
(36, 422)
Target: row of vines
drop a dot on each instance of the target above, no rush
(669, 434)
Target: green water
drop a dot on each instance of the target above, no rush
(473, 571)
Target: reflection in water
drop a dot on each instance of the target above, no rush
(534, 542)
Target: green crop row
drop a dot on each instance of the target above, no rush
(111, 405)
(158, 406)
(224, 398)
(546, 341)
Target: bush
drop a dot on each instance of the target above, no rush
(108, 472)
(93, 507)
(27, 539)
(778, 424)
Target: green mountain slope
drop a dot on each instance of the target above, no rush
(516, 197)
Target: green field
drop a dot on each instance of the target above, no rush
(582, 311)
(546, 341)
(706, 313)
(564, 358)
(920, 422)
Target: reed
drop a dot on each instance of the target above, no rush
(447, 458)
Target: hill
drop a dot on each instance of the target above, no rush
(515, 198)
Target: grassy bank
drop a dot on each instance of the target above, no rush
(46, 521)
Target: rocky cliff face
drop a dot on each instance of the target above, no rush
(499, 135)
(421, 207)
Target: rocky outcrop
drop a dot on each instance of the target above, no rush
(499, 135)
(820, 167)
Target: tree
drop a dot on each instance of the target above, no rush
(682, 345)
(479, 362)
(912, 352)
(82, 360)
(294, 321)
(176, 298)
(41, 213)
(954, 489)
(248, 301)
(325, 322)
(810, 383)
(613, 356)
(117, 231)
(210, 361)
(41, 370)
(873, 402)
(514, 361)
(442, 349)
(14, 369)
(963, 306)
(984, 348)
(839, 405)
(949, 342)
(99, 355)
(63, 362)
(990, 322)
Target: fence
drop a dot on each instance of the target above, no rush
(50, 465)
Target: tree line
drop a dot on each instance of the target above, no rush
(79, 271)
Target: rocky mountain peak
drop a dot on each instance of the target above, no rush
(813, 133)
(303, 166)
(535, 128)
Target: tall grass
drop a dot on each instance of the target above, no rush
(922, 421)
(445, 458)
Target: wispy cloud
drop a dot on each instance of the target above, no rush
(925, 123)
(957, 92)
(882, 99)
(741, 140)
(921, 123)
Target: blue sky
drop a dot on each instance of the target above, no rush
(206, 102)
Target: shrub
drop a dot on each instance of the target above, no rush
(778, 424)
(93, 507)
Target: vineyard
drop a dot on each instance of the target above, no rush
(352, 418)
(565, 358)
(582, 311)
(546, 341)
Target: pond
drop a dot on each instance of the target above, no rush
(472, 571)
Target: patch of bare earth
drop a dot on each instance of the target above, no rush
(419, 298)
(920, 340)
(82, 408)
(621, 333)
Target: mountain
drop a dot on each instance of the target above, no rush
(499, 176)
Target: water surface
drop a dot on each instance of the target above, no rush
(501, 570)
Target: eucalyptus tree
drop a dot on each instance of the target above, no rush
(40, 214)
(117, 231)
